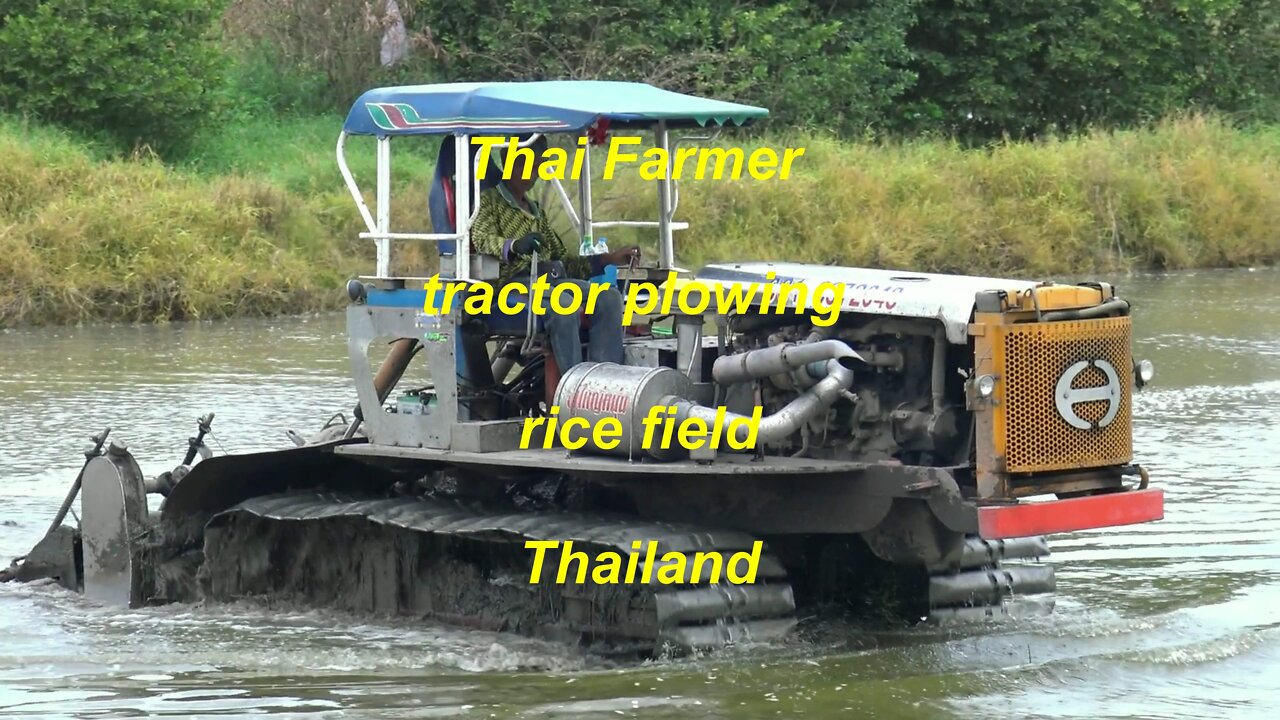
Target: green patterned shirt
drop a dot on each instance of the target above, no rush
(501, 219)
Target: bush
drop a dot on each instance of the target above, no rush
(88, 238)
(1020, 68)
(260, 86)
(336, 41)
(142, 71)
(816, 64)
(977, 70)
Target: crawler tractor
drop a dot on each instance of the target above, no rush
(910, 457)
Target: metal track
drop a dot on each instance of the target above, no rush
(984, 587)
(466, 565)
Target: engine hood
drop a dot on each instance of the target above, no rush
(948, 298)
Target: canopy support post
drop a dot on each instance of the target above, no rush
(567, 204)
(462, 207)
(384, 206)
(587, 241)
(666, 245)
(350, 180)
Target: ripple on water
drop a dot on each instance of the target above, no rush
(1175, 619)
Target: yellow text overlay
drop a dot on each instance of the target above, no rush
(661, 430)
(689, 297)
(643, 565)
(657, 164)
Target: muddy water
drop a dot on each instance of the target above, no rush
(1177, 619)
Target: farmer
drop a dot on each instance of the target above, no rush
(510, 225)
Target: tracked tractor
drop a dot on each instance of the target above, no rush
(909, 456)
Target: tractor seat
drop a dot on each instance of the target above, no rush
(441, 198)
(441, 208)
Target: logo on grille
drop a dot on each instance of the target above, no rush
(1066, 397)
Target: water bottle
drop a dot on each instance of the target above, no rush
(599, 247)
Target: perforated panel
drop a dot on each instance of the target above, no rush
(1037, 355)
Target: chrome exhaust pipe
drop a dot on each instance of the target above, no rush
(788, 420)
(779, 360)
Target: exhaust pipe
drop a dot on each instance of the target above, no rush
(779, 360)
(789, 419)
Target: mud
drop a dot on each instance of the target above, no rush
(56, 557)
(428, 558)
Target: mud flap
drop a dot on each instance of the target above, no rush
(113, 521)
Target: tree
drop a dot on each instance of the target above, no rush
(1023, 66)
(143, 71)
(837, 64)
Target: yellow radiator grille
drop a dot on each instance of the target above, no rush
(1037, 356)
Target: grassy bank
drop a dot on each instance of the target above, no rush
(1190, 192)
(85, 238)
(254, 218)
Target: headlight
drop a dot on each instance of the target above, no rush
(1143, 371)
(986, 385)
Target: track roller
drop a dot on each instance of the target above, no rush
(984, 587)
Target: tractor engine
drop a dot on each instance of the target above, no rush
(863, 390)
(890, 411)
(1019, 391)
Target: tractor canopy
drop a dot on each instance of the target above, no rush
(534, 107)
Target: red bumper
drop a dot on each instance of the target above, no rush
(1059, 516)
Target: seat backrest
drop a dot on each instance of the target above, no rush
(441, 199)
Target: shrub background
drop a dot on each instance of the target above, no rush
(141, 71)
(965, 68)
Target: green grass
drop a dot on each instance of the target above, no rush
(1187, 192)
(88, 237)
(254, 218)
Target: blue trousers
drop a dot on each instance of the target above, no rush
(605, 333)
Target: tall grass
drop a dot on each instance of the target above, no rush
(254, 219)
(1187, 192)
(83, 237)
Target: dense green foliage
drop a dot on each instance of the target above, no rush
(1022, 66)
(139, 70)
(977, 70)
(150, 70)
(820, 64)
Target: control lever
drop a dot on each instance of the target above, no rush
(165, 481)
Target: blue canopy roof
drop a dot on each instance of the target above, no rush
(529, 107)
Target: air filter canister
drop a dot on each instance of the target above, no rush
(594, 391)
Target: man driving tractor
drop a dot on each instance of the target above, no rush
(511, 226)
